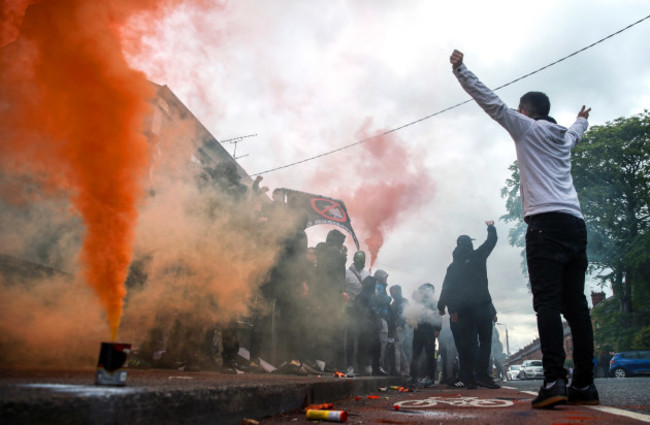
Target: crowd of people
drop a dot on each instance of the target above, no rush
(314, 314)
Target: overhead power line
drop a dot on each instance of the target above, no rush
(456, 105)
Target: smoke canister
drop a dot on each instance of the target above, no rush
(111, 363)
(327, 415)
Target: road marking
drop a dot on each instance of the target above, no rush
(84, 390)
(455, 401)
(614, 411)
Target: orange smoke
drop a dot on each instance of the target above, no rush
(391, 184)
(11, 14)
(72, 118)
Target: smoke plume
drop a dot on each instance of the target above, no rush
(423, 308)
(74, 112)
(73, 115)
(381, 185)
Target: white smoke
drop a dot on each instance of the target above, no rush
(423, 309)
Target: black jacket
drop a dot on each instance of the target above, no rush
(396, 311)
(466, 283)
(365, 314)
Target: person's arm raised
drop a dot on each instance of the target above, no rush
(584, 113)
(456, 59)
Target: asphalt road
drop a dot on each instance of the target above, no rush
(505, 406)
(627, 393)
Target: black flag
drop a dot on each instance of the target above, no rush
(319, 210)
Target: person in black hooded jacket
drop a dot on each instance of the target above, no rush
(369, 325)
(397, 329)
(466, 295)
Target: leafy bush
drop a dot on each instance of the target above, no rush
(642, 339)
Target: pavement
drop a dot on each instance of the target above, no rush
(163, 396)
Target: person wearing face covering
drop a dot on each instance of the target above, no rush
(354, 276)
(397, 329)
(382, 305)
(369, 326)
(426, 323)
(466, 296)
(327, 320)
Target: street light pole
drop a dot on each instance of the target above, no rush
(507, 341)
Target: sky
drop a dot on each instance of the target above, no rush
(307, 77)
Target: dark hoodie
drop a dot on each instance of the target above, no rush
(330, 266)
(365, 313)
(466, 283)
(396, 310)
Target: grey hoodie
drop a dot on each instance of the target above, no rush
(543, 151)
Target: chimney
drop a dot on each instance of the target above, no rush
(597, 298)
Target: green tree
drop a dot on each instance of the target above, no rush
(608, 331)
(642, 339)
(611, 172)
(515, 214)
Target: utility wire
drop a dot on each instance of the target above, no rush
(454, 106)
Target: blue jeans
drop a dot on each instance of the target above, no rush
(556, 253)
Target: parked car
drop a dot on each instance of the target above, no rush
(531, 369)
(513, 372)
(630, 363)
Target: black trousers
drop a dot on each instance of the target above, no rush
(369, 345)
(556, 253)
(472, 323)
(424, 339)
(463, 374)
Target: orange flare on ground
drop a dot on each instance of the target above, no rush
(322, 406)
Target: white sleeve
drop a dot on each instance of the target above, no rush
(515, 123)
(575, 132)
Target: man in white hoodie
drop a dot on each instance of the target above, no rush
(556, 238)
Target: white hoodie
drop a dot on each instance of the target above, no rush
(543, 151)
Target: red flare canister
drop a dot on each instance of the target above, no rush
(327, 415)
